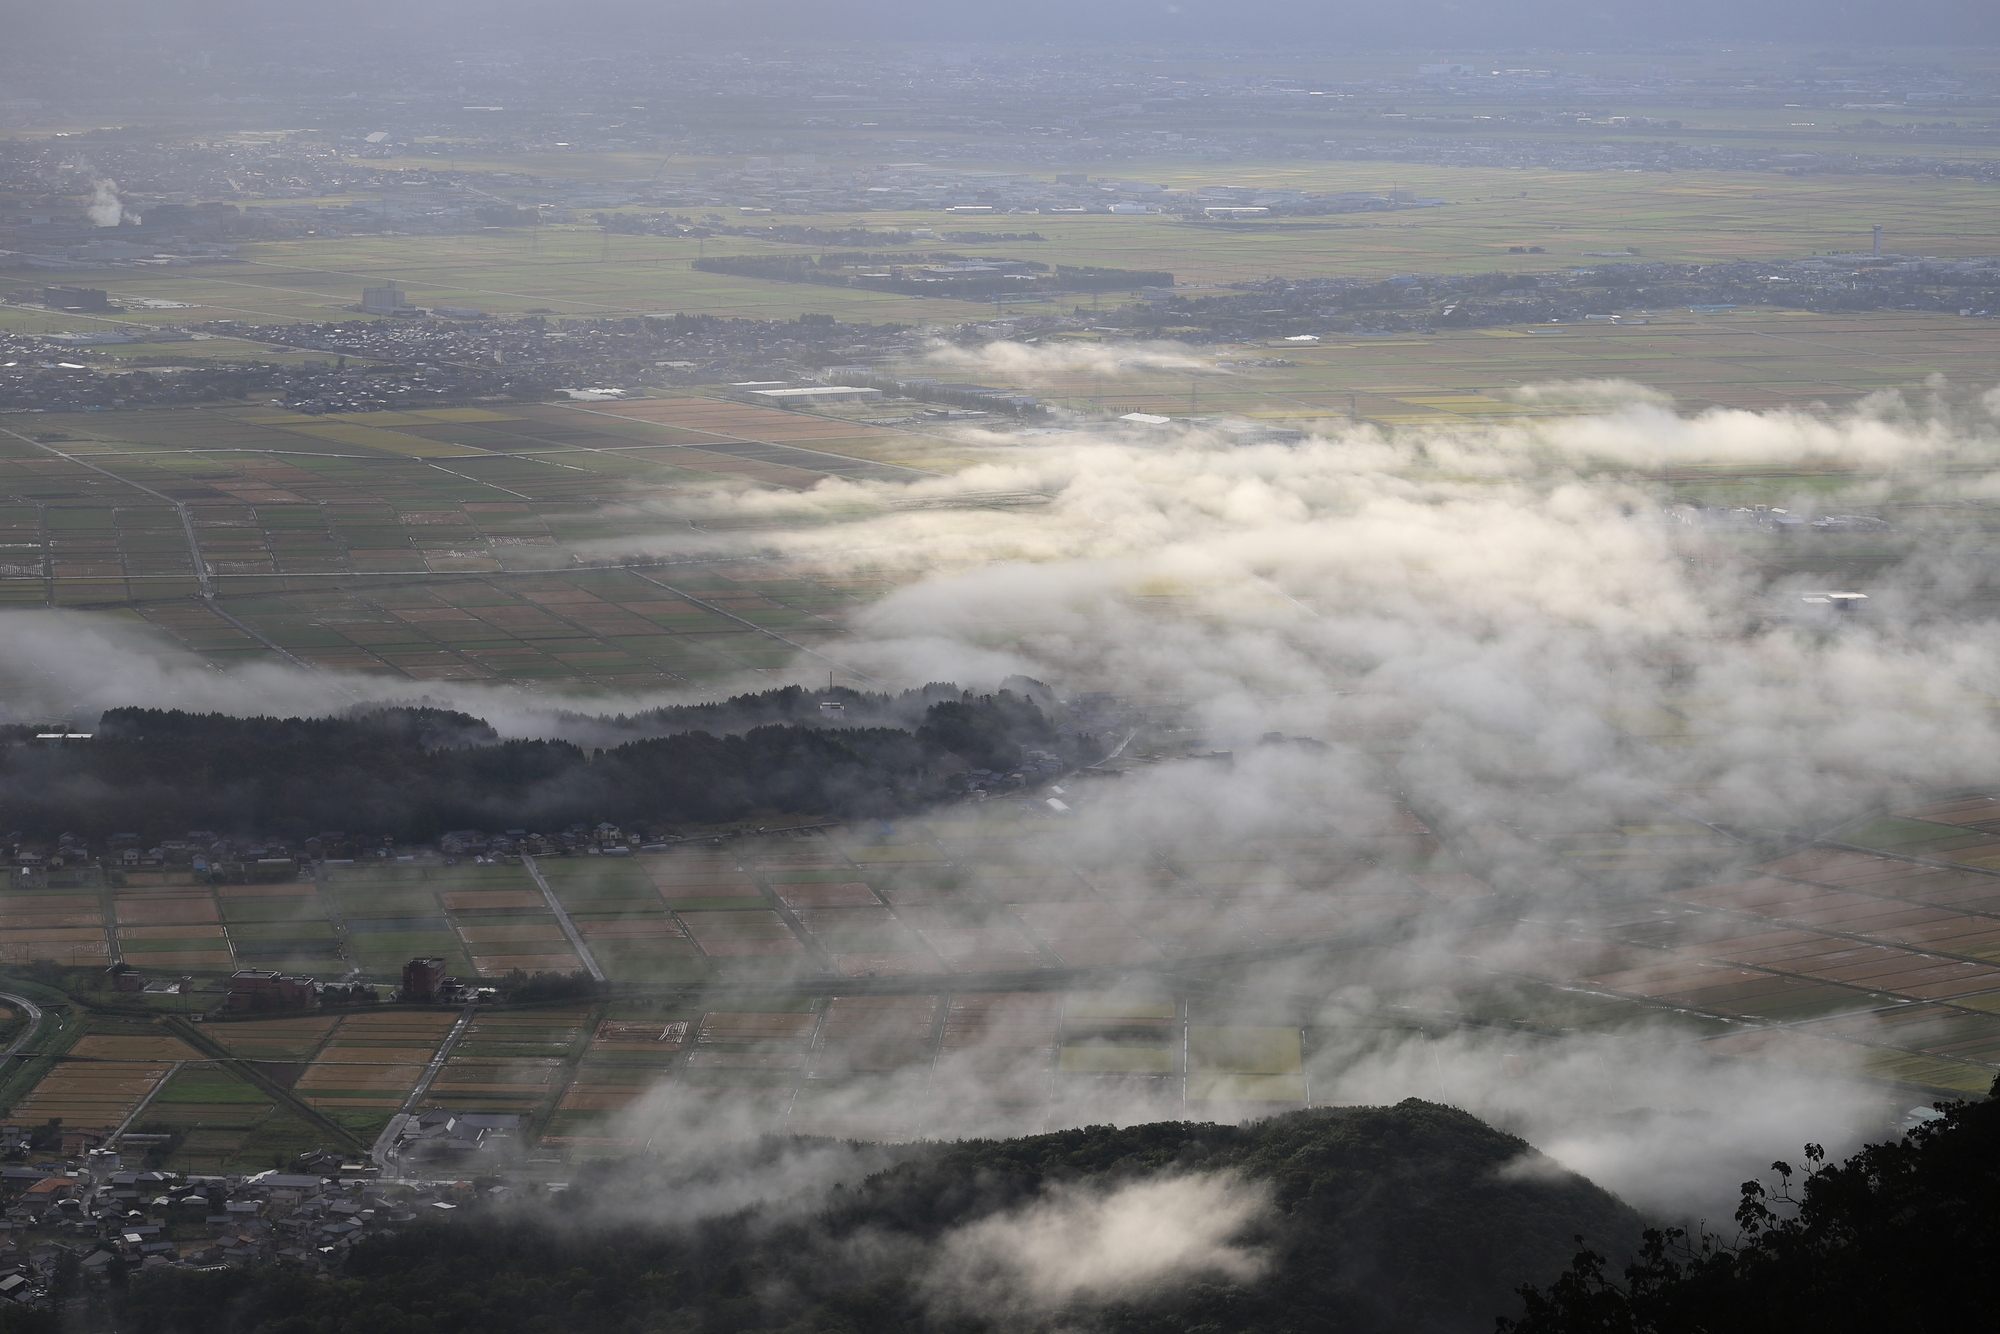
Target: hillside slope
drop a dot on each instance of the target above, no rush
(1416, 1217)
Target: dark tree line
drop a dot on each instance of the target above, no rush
(789, 704)
(829, 270)
(415, 773)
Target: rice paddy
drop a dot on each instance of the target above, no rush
(882, 984)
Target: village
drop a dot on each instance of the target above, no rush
(78, 1219)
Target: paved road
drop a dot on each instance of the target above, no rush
(385, 1144)
(144, 1103)
(34, 1013)
(562, 919)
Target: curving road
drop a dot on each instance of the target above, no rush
(34, 1013)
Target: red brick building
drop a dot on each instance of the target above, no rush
(261, 989)
(422, 978)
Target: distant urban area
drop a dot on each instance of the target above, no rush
(417, 359)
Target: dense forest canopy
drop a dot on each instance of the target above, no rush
(413, 773)
(906, 709)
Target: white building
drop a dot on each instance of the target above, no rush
(828, 393)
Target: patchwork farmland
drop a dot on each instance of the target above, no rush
(969, 975)
(1695, 216)
(397, 549)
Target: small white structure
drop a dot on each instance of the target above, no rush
(824, 393)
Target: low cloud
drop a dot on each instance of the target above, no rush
(1082, 1245)
(1616, 392)
(1486, 619)
(104, 209)
(1033, 361)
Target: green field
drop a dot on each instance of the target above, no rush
(1688, 217)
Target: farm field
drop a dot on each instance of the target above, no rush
(104, 1077)
(938, 898)
(1755, 359)
(564, 271)
(976, 971)
(444, 544)
(433, 546)
(954, 976)
(575, 271)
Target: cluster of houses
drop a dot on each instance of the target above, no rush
(206, 853)
(72, 1225)
(265, 990)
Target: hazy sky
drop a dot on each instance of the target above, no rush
(1431, 24)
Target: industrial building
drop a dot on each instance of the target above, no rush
(258, 989)
(75, 298)
(830, 393)
(384, 300)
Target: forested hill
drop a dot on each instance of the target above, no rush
(789, 704)
(1900, 1237)
(414, 773)
(1416, 1219)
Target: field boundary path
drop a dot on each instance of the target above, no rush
(562, 918)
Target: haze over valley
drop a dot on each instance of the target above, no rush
(1156, 671)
